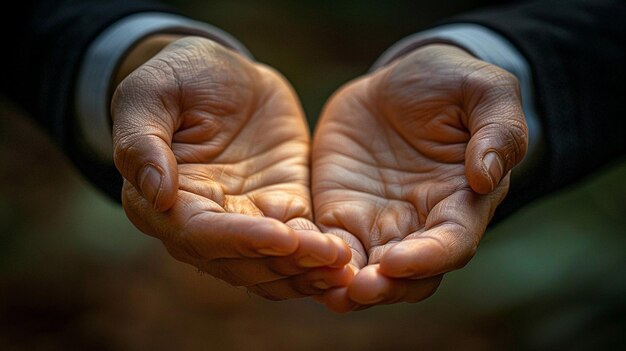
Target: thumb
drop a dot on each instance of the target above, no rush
(142, 134)
(498, 142)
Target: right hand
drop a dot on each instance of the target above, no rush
(214, 150)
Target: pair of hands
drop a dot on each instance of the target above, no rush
(405, 170)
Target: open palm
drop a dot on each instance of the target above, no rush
(214, 150)
(400, 160)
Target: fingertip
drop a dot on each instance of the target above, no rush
(493, 165)
(274, 238)
(486, 172)
(337, 300)
(414, 258)
(333, 278)
(478, 177)
(167, 195)
(494, 149)
(148, 163)
(344, 253)
(368, 286)
(346, 275)
(315, 249)
(394, 262)
(166, 201)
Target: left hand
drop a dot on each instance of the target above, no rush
(409, 165)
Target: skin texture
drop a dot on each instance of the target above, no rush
(214, 150)
(409, 165)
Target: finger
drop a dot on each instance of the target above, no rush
(315, 250)
(301, 223)
(313, 282)
(318, 249)
(370, 287)
(377, 252)
(454, 229)
(142, 132)
(357, 251)
(499, 135)
(197, 228)
(337, 299)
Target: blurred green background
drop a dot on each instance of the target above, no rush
(75, 274)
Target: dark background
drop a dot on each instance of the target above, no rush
(75, 274)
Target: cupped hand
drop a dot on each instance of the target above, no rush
(409, 165)
(214, 150)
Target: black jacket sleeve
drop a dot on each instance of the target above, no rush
(43, 47)
(577, 53)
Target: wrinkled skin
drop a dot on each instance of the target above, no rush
(409, 164)
(226, 186)
(400, 170)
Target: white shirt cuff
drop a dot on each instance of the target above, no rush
(92, 95)
(488, 46)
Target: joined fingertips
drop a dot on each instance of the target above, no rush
(325, 278)
(369, 287)
(337, 300)
(313, 282)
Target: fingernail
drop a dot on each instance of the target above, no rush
(270, 251)
(320, 284)
(494, 166)
(373, 300)
(309, 261)
(150, 183)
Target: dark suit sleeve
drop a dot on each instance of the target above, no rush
(576, 50)
(43, 49)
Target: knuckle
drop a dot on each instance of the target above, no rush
(301, 223)
(510, 136)
(126, 88)
(299, 208)
(505, 76)
(491, 80)
(517, 135)
(144, 82)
